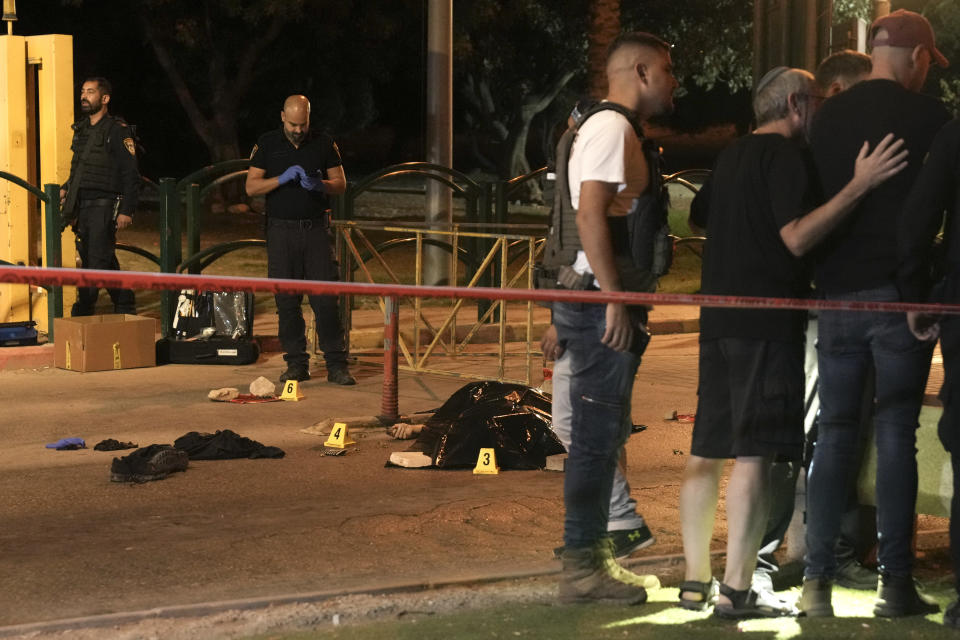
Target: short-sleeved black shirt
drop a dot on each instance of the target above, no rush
(758, 185)
(274, 154)
(861, 253)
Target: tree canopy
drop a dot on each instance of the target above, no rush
(203, 79)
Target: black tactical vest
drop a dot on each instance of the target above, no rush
(99, 171)
(642, 241)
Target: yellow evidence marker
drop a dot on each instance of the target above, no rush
(338, 437)
(291, 391)
(486, 463)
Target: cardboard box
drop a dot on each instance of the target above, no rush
(101, 343)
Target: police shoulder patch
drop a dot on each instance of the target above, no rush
(130, 145)
(253, 151)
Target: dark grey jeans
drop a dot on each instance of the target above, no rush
(601, 382)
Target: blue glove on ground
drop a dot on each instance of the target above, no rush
(292, 173)
(313, 184)
(64, 444)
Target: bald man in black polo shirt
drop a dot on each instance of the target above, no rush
(296, 170)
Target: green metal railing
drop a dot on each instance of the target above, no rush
(50, 197)
(486, 207)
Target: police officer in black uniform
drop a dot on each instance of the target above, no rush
(101, 194)
(297, 169)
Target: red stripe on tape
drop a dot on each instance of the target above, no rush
(176, 281)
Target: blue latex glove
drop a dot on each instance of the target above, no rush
(64, 444)
(292, 173)
(313, 184)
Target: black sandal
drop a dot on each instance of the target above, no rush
(707, 591)
(744, 604)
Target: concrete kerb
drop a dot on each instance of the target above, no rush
(668, 567)
(660, 565)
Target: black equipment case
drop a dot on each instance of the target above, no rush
(214, 350)
(211, 327)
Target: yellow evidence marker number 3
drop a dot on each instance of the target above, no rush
(291, 391)
(338, 436)
(486, 462)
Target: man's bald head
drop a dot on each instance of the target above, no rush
(640, 74)
(296, 118)
(296, 104)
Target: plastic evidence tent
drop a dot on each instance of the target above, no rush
(513, 419)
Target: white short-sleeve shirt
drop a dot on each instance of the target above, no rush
(607, 149)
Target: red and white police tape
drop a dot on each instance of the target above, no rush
(176, 281)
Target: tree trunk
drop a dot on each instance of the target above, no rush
(516, 155)
(215, 122)
(604, 27)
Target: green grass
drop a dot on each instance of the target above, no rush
(658, 619)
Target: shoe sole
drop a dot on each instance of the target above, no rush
(137, 478)
(892, 612)
(626, 553)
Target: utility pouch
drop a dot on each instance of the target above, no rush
(568, 278)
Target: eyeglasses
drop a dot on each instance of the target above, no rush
(816, 97)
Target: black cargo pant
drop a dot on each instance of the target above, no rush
(96, 232)
(300, 250)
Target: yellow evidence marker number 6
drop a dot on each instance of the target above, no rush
(291, 391)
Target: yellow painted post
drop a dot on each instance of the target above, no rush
(14, 239)
(54, 56)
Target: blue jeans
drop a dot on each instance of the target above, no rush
(623, 514)
(848, 343)
(601, 381)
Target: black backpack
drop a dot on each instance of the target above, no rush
(647, 228)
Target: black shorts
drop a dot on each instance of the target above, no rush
(750, 399)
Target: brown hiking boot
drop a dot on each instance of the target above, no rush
(816, 599)
(587, 577)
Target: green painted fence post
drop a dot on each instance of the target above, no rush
(193, 223)
(52, 255)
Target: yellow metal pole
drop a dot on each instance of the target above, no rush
(417, 303)
(54, 56)
(14, 239)
(503, 306)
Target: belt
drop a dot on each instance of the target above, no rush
(97, 202)
(297, 223)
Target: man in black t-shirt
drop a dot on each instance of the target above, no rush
(758, 210)
(297, 169)
(858, 261)
(937, 192)
(836, 73)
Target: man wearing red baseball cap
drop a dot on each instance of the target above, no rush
(858, 261)
(906, 29)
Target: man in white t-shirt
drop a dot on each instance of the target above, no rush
(608, 177)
